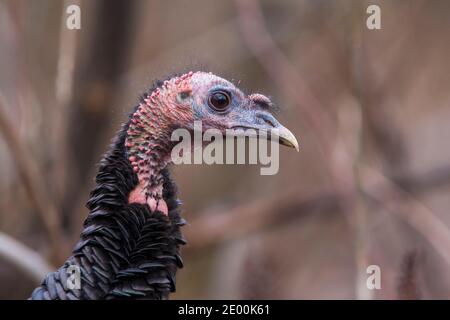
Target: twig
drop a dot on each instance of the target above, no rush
(33, 182)
(68, 40)
(408, 280)
(409, 208)
(276, 64)
(280, 69)
(217, 226)
(341, 164)
(24, 258)
(95, 83)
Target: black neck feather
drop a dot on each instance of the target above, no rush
(124, 251)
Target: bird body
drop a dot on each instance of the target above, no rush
(125, 250)
(129, 247)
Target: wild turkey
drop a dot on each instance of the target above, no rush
(129, 247)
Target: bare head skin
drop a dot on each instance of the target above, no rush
(180, 101)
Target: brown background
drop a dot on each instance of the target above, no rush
(371, 110)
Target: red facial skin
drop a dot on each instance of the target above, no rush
(148, 139)
(167, 108)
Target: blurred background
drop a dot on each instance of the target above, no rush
(371, 109)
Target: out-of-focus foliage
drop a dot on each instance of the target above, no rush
(384, 92)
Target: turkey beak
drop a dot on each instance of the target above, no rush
(286, 137)
(264, 122)
(268, 123)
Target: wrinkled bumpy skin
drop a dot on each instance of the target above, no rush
(126, 250)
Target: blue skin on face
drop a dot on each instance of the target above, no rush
(240, 112)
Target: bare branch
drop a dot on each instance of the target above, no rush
(406, 206)
(216, 226)
(32, 180)
(24, 258)
(340, 163)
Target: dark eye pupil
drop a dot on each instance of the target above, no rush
(219, 100)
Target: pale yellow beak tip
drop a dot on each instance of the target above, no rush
(288, 139)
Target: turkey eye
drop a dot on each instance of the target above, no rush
(219, 101)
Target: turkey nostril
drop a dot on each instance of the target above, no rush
(268, 120)
(270, 123)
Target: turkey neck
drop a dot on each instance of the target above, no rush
(148, 149)
(125, 250)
